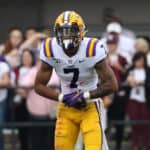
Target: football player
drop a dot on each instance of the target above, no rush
(80, 63)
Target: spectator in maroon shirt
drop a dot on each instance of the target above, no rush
(117, 109)
(116, 60)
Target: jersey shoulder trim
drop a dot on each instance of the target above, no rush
(91, 47)
(48, 51)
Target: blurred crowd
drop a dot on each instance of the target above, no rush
(19, 63)
(129, 57)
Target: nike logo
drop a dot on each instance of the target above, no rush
(80, 61)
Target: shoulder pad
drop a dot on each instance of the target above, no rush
(48, 51)
(91, 47)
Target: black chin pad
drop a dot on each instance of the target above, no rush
(70, 46)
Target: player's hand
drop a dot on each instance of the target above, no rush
(76, 99)
(80, 100)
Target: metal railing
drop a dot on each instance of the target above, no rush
(13, 125)
(28, 124)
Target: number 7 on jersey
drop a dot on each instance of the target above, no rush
(75, 77)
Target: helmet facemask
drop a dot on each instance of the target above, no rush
(68, 36)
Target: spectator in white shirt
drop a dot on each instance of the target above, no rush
(4, 82)
(138, 107)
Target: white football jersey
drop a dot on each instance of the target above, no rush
(78, 71)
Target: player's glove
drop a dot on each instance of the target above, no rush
(76, 99)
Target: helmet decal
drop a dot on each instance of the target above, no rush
(66, 17)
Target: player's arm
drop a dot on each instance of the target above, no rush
(42, 78)
(107, 78)
(108, 85)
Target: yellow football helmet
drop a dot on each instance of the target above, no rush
(69, 29)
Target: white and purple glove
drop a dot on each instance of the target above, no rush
(76, 99)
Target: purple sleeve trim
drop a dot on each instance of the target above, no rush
(87, 49)
(44, 46)
(51, 50)
(94, 49)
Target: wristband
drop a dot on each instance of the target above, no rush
(60, 97)
(86, 95)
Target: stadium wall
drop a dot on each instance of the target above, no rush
(42, 13)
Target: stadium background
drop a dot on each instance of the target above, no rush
(42, 13)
